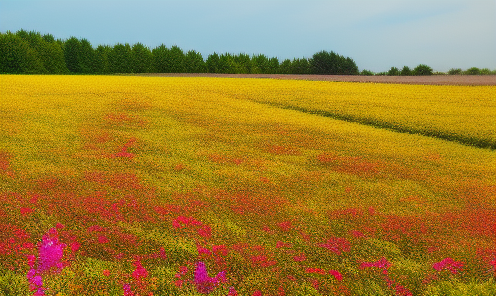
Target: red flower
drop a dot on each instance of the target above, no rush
(315, 270)
(140, 272)
(449, 264)
(337, 275)
(102, 239)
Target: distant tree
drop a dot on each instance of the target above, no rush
(102, 53)
(161, 63)
(405, 71)
(454, 71)
(176, 56)
(300, 66)
(120, 58)
(226, 64)
(349, 67)
(366, 73)
(260, 64)
(142, 59)
(86, 57)
(422, 70)
(330, 63)
(285, 67)
(194, 63)
(17, 57)
(242, 64)
(212, 63)
(71, 54)
(485, 71)
(472, 71)
(393, 71)
(273, 66)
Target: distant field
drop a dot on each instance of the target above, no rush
(425, 80)
(123, 185)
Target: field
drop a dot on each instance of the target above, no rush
(117, 185)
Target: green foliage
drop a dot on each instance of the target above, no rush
(120, 58)
(457, 288)
(161, 59)
(285, 67)
(142, 59)
(177, 59)
(473, 71)
(422, 70)
(393, 71)
(194, 62)
(366, 73)
(454, 71)
(16, 56)
(405, 71)
(212, 63)
(485, 71)
(331, 63)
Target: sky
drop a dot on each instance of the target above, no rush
(376, 34)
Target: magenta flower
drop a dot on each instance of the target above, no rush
(382, 263)
(449, 264)
(139, 272)
(205, 284)
(51, 252)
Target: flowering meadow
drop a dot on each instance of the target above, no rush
(113, 185)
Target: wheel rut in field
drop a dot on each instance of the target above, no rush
(464, 140)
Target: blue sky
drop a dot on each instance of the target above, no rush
(377, 34)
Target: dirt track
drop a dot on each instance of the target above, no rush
(433, 80)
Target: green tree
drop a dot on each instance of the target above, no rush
(226, 64)
(285, 67)
(17, 57)
(194, 63)
(86, 57)
(212, 63)
(273, 66)
(242, 64)
(454, 71)
(300, 66)
(161, 60)
(260, 64)
(71, 54)
(393, 71)
(473, 71)
(405, 71)
(422, 70)
(349, 67)
(120, 58)
(102, 53)
(485, 71)
(177, 58)
(142, 59)
(367, 73)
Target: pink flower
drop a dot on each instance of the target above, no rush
(382, 263)
(337, 275)
(232, 292)
(50, 252)
(102, 239)
(449, 264)
(140, 272)
(315, 270)
(337, 245)
(220, 250)
(127, 290)
(257, 293)
(205, 284)
(300, 258)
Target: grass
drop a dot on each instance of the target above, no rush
(167, 172)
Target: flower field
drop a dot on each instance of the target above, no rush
(219, 186)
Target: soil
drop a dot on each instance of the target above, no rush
(427, 80)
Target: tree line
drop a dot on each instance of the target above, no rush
(32, 53)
